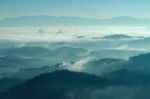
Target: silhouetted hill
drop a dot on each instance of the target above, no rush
(56, 85)
(140, 63)
(128, 77)
(142, 58)
(7, 83)
(135, 71)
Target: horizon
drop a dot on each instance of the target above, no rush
(75, 17)
(97, 9)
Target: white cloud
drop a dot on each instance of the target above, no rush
(69, 33)
(79, 65)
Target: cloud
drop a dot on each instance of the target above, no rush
(51, 33)
(79, 65)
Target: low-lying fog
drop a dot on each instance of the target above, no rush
(69, 33)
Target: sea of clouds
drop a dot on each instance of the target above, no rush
(68, 33)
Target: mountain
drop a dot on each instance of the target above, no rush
(26, 51)
(117, 36)
(33, 72)
(7, 83)
(45, 21)
(12, 59)
(17, 57)
(57, 85)
(128, 77)
(67, 21)
(141, 43)
(127, 20)
(68, 53)
(140, 63)
(112, 53)
(101, 66)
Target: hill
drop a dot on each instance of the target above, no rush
(56, 85)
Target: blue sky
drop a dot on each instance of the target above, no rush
(80, 8)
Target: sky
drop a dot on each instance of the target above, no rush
(80, 8)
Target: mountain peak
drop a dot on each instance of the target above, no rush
(116, 36)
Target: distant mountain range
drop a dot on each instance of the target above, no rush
(67, 21)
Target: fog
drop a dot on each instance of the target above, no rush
(68, 33)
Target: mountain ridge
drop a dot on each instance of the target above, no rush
(55, 85)
(42, 20)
